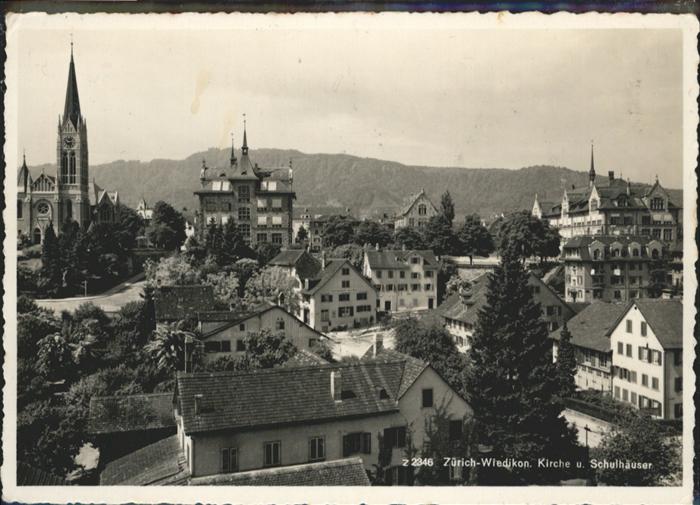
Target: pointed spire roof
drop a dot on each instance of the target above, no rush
(233, 152)
(71, 109)
(591, 172)
(244, 147)
(23, 177)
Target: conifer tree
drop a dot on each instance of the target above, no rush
(51, 261)
(512, 383)
(447, 207)
(566, 363)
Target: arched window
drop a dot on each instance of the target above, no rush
(657, 203)
(71, 168)
(36, 236)
(64, 168)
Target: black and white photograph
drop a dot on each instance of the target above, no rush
(421, 251)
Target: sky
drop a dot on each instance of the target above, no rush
(450, 96)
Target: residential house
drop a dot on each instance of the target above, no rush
(647, 345)
(259, 201)
(609, 268)
(460, 311)
(241, 421)
(223, 332)
(338, 297)
(415, 212)
(614, 206)
(313, 220)
(298, 263)
(590, 332)
(405, 279)
(144, 212)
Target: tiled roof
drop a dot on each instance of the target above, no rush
(591, 327)
(174, 303)
(284, 395)
(456, 310)
(114, 414)
(398, 258)
(305, 264)
(27, 475)
(341, 472)
(331, 269)
(546, 206)
(665, 317)
(411, 200)
(161, 463)
(412, 369)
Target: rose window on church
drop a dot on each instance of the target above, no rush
(43, 208)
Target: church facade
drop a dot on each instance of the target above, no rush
(69, 195)
(258, 201)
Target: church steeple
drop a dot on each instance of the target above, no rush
(591, 172)
(233, 152)
(244, 147)
(71, 109)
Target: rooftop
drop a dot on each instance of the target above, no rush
(115, 414)
(398, 258)
(286, 395)
(665, 317)
(341, 472)
(28, 475)
(590, 328)
(161, 463)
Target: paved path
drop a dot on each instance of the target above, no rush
(356, 342)
(110, 301)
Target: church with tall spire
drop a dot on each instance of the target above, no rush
(259, 201)
(69, 195)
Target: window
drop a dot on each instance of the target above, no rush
(644, 329)
(241, 327)
(244, 229)
(344, 297)
(402, 274)
(240, 345)
(429, 273)
(229, 460)
(42, 208)
(354, 443)
(633, 377)
(244, 194)
(345, 271)
(324, 315)
(276, 203)
(625, 395)
(678, 410)
(645, 380)
(271, 453)
(262, 220)
(422, 210)
(326, 298)
(345, 284)
(317, 449)
(655, 383)
(277, 238)
(617, 392)
(427, 398)
(656, 357)
(362, 296)
(629, 326)
(628, 349)
(415, 260)
(657, 204)
(620, 347)
(395, 437)
(243, 213)
(212, 346)
(455, 430)
(678, 384)
(261, 237)
(262, 203)
(379, 274)
(279, 324)
(276, 221)
(633, 398)
(415, 287)
(20, 206)
(345, 311)
(415, 275)
(391, 274)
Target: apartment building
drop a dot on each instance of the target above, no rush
(647, 346)
(460, 310)
(231, 422)
(590, 332)
(405, 279)
(224, 332)
(609, 268)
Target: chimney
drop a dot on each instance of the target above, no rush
(198, 404)
(306, 283)
(377, 345)
(376, 246)
(611, 175)
(336, 385)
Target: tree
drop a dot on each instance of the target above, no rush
(244, 269)
(512, 384)
(129, 225)
(321, 349)
(637, 437)
(51, 272)
(89, 310)
(171, 271)
(474, 238)
(433, 344)
(566, 363)
(266, 349)
(338, 230)
(455, 284)
(167, 227)
(167, 347)
(351, 252)
(54, 357)
(26, 305)
(225, 286)
(440, 237)
(448, 270)
(302, 235)
(447, 208)
(410, 238)
(372, 233)
(522, 235)
(265, 251)
(31, 328)
(272, 285)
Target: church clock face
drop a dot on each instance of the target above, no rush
(68, 141)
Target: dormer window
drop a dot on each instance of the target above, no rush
(594, 204)
(657, 203)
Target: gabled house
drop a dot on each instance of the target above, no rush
(415, 212)
(223, 333)
(232, 422)
(405, 279)
(647, 345)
